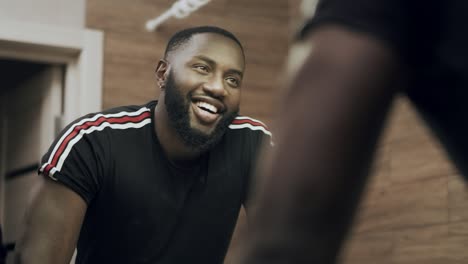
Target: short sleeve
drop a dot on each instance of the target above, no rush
(76, 158)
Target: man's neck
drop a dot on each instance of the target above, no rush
(172, 144)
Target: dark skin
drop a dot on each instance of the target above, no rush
(209, 65)
(310, 186)
(52, 225)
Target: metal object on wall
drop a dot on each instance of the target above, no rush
(180, 9)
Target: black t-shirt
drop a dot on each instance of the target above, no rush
(431, 36)
(141, 207)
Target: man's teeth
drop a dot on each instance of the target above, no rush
(207, 106)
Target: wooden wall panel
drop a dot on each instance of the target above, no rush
(415, 207)
(458, 199)
(433, 244)
(401, 205)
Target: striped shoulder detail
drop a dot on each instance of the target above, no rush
(120, 120)
(241, 122)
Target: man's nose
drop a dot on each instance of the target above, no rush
(215, 87)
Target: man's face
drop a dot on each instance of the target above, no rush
(202, 93)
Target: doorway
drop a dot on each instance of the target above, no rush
(68, 65)
(30, 108)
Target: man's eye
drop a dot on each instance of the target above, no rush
(233, 82)
(201, 68)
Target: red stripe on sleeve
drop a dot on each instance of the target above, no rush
(89, 124)
(248, 121)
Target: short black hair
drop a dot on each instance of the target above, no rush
(181, 37)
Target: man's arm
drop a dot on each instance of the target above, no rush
(52, 227)
(328, 126)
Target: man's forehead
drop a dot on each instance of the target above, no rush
(214, 46)
(209, 39)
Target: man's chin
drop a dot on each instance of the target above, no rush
(204, 129)
(200, 140)
(205, 136)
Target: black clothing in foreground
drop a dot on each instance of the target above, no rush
(431, 38)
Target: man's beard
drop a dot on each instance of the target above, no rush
(178, 110)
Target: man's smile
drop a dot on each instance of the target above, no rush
(207, 110)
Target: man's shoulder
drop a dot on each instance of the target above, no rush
(126, 110)
(249, 125)
(119, 114)
(117, 118)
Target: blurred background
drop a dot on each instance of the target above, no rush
(60, 59)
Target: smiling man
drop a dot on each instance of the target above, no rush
(157, 183)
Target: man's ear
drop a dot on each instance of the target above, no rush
(162, 71)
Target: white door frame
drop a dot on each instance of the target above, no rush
(81, 50)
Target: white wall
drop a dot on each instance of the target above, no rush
(66, 13)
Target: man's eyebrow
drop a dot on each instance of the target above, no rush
(206, 59)
(233, 71)
(213, 63)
